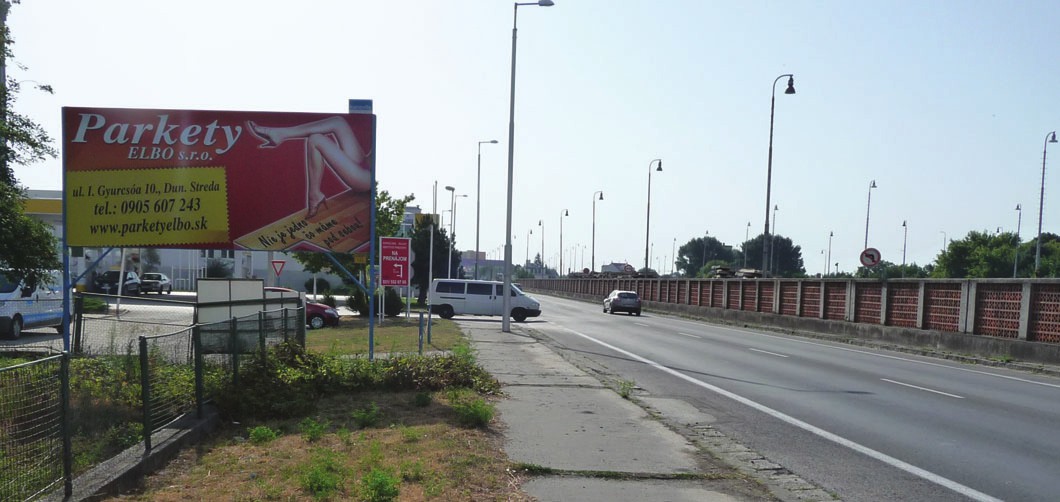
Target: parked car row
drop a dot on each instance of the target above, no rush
(150, 282)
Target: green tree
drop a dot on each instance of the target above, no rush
(888, 270)
(786, 257)
(984, 255)
(27, 246)
(389, 213)
(693, 255)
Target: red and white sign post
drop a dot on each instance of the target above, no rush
(395, 262)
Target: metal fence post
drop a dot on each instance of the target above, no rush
(145, 392)
(421, 333)
(233, 350)
(64, 426)
(261, 334)
(283, 325)
(196, 343)
(79, 312)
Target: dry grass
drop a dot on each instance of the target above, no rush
(422, 446)
(428, 454)
(392, 335)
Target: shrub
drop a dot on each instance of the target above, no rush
(329, 300)
(474, 413)
(379, 486)
(323, 476)
(625, 388)
(422, 399)
(262, 434)
(368, 416)
(393, 304)
(312, 430)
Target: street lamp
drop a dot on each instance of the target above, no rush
(647, 224)
(561, 215)
(673, 256)
(829, 260)
(529, 232)
(478, 198)
(1019, 220)
(944, 240)
(507, 303)
(905, 240)
(452, 212)
(773, 238)
(592, 263)
(769, 165)
(705, 234)
(746, 235)
(1049, 138)
(867, 208)
(544, 269)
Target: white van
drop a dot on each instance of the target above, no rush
(449, 297)
(27, 305)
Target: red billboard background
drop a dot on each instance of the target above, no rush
(218, 179)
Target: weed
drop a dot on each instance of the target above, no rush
(312, 430)
(474, 413)
(374, 457)
(324, 474)
(262, 434)
(422, 399)
(412, 470)
(379, 486)
(625, 388)
(345, 436)
(411, 434)
(368, 416)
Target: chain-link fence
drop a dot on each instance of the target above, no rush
(34, 443)
(170, 363)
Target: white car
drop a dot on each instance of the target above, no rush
(449, 297)
(156, 282)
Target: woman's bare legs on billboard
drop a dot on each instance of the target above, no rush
(329, 142)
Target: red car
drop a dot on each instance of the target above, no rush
(317, 315)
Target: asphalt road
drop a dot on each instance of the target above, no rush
(864, 424)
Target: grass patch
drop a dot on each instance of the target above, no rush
(393, 335)
(625, 388)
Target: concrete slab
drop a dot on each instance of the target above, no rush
(574, 489)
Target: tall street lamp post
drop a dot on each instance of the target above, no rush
(544, 271)
(829, 260)
(944, 240)
(478, 199)
(452, 214)
(561, 215)
(769, 165)
(673, 256)
(773, 238)
(529, 232)
(647, 224)
(905, 241)
(592, 262)
(746, 235)
(868, 207)
(1049, 138)
(506, 325)
(1019, 221)
(705, 234)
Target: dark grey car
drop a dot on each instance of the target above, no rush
(622, 301)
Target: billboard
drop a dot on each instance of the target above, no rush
(217, 179)
(395, 263)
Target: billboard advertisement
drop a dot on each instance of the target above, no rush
(395, 263)
(217, 179)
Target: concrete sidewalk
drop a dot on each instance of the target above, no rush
(591, 444)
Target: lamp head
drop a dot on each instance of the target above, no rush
(660, 160)
(791, 85)
(566, 213)
(493, 142)
(450, 188)
(903, 223)
(1019, 207)
(601, 196)
(776, 207)
(873, 184)
(545, 3)
(1052, 139)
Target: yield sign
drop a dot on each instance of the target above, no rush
(870, 257)
(277, 266)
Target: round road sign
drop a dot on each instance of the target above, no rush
(870, 257)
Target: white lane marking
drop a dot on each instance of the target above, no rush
(865, 352)
(641, 324)
(835, 438)
(766, 352)
(925, 389)
(688, 335)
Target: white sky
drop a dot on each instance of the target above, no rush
(945, 104)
